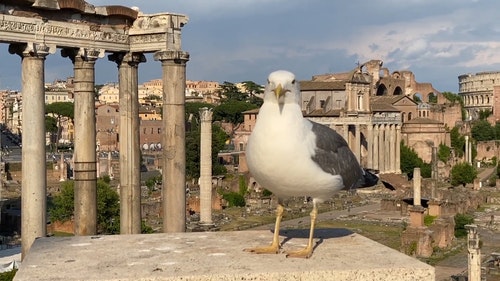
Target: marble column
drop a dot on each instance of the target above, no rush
(387, 145)
(392, 148)
(398, 149)
(345, 132)
(174, 148)
(34, 183)
(369, 146)
(206, 166)
(381, 148)
(357, 142)
(375, 153)
(474, 253)
(85, 173)
(417, 187)
(130, 157)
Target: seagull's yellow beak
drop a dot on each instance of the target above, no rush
(278, 91)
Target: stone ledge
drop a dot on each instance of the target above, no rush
(339, 255)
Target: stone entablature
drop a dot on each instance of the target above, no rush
(138, 33)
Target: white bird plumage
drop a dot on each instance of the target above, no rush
(293, 156)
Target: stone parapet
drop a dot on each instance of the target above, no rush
(339, 255)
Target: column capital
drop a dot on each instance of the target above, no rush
(180, 57)
(133, 59)
(206, 114)
(87, 54)
(31, 49)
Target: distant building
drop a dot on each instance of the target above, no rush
(59, 91)
(480, 92)
(374, 111)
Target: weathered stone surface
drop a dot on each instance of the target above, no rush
(339, 255)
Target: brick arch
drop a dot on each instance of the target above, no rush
(398, 91)
(381, 90)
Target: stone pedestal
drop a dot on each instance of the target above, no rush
(435, 207)
(417, 241)
(417, 216)
(193, 256)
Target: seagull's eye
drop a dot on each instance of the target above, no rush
(268, 82)
(293, 82)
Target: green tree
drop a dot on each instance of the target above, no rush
(230, 92)
(254, 90)
(61, 207)
(461, 220)
(462, 173)
(457, 142)
(452, 97)
(219, 138)
(484, 114)
(50, 124)
(433, 98)
(60, 110)
(444, 153)
(232, 111)
(409, 161)
(482, 130)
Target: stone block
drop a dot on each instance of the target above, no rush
(339, 255)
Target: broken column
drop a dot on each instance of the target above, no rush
(206, 166)
(474, 253)
(417, 211)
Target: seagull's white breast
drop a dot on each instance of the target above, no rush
(279, 155)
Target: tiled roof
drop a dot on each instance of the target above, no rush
(315, 85)
(421, 120)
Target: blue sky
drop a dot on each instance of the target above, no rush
(239, 40)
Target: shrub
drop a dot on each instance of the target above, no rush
(461, 220)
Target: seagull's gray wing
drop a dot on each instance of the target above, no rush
(334, 156)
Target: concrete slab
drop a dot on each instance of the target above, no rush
(339, 255)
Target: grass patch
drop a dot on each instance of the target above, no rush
(385, 234)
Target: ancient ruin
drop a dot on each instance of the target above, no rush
(84, 33)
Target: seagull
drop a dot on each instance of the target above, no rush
(292, 156)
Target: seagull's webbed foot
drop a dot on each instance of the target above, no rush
(271, 249)
(303, 253)
(308, 250)
(274, 248)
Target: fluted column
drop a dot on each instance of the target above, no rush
(130, 158)
(174, 138)
(392, 148)
(369, 145)
(34, 183)
(85, 173)
(376, 154)
(206, 166)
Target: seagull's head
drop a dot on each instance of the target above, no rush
(282, 88)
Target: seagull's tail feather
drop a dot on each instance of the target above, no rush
(368, 179)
